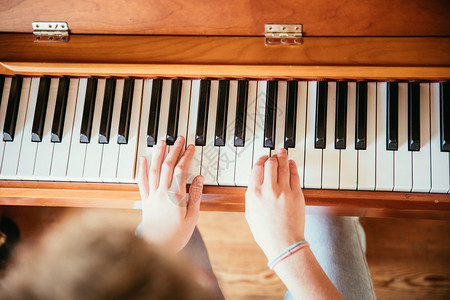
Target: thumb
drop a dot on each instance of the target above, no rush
(195, 195)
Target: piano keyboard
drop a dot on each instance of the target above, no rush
(365, 135)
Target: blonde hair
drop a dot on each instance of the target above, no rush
(90, 256)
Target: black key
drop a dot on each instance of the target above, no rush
(361, 115)
(60, 110)
(40, 110)
(108, 103)
(341, 115)
(12, 109)
(445, 115)
(153, 119)
(2, 83)
(413, 116)
(221, 114)
(174, 111)
(88, 111)
(392, 116)
(241, 114)
(291, 114)
(270, 114)
(321, 115)
(202, 116)
(125, 111)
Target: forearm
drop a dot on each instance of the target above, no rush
(304, 277)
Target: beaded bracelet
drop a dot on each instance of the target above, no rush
(287, 252)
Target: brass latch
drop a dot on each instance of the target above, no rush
(283, 34)
(50, 32)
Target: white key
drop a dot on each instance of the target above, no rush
(297, 154)
(77, 153)
(61, 150)
(439, 160)
(110, 154)
(244, 155)
(227, 153)
(349, 156)
(164, 111)
(313, 156)
(3, 107)
(28, 148)
(385, 158)
(143, 149)
(402, 157)
(280, 117)
(331, 157)
(44, 153)
(12, 149)
(210, 155)
(366, 158)
(196, 163)
(127, 154)
(421, 167)
(94, 149)
(258, 148)
(183, 119)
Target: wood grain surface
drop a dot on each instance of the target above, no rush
(220, 198)
(233, 17)
(409, 259)
(213, 50)
(226, 71)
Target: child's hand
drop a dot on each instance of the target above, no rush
(274, 204)
(168, 218)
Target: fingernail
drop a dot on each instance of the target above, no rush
(199, 181)
(190, 146)
(160, 142)
(282, 150)
(178, 139)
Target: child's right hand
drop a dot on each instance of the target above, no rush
(274, 204)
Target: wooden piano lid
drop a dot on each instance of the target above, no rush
(352, 39)
(405, 18)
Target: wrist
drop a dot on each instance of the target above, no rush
(286, 252)
(291, 264)
(281, 245)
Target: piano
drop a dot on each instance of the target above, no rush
(359, 95)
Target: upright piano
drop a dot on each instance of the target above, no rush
(358, 92)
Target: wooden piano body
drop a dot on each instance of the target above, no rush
(349, 40)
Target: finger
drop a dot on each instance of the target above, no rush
(143, 178)
(170, 163)
(295, 178)
(271, 171)
(155, 168)
(181, 169)
(257, 176)
(283, 168)
(195, 197)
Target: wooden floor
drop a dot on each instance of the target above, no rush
(408, 259)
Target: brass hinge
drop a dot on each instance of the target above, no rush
(50, 32)
(283, 34)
